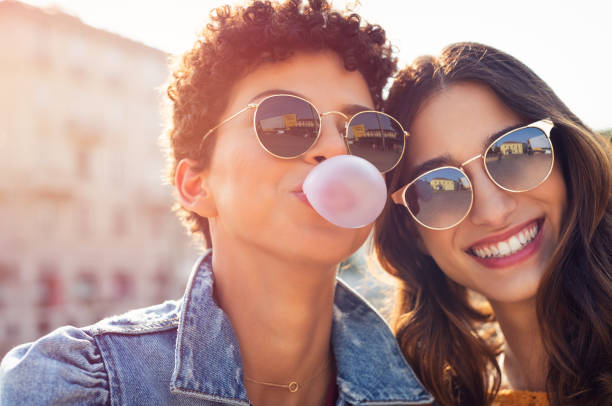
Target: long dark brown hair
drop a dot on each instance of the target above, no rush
(437, 325)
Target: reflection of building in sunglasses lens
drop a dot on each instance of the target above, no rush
(520, 160)
(440, 198)
(287, 126)
(375, 137)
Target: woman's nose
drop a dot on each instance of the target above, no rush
(331, 140)
(492, 205)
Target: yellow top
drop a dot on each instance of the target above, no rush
(507, 397)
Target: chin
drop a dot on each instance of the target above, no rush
(512, 292)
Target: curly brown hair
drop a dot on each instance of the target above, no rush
(241, 38)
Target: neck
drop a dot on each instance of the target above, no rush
(524, 365)
(281, 311)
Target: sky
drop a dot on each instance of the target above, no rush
(567, 43)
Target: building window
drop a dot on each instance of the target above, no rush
(163, 281)
(12, 331)
(51, 290)
(43, 326)
(85, 287)
(122, 285)
(8, 282)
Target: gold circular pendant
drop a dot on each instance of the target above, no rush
(293, 386)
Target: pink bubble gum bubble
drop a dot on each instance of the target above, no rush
(346, 190)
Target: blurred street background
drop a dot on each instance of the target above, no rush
(86, 227)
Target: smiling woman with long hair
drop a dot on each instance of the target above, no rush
(504, 192)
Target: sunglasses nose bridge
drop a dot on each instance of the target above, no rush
(337, 113)
(331, 140)
(472, 159)
(491, 204)
(340, 114)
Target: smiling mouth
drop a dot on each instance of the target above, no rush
(509, 246)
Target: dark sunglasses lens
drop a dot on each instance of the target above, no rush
(377, 138)
(287, 126)
(441, 198)
(520, 160)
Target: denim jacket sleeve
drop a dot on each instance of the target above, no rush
(64, 367)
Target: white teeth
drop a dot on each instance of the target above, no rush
(504, 248)
(515, 244)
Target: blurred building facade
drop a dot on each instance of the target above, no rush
(86, 226)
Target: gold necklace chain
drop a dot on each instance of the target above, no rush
(292, 386)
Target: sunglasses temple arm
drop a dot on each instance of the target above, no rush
(249, 106)
(546, 125)
(397, 196)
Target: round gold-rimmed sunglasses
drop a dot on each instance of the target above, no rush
(287, 126)
(517, 161)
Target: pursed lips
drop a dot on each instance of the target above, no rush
(299, 193)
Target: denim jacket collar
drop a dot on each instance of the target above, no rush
(208, 364)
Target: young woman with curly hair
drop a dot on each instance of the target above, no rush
(503, 191)
(267, 92)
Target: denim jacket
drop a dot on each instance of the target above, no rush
(185, 352)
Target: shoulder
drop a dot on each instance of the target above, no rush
(160, 317)
(71, 365)
(63, 367)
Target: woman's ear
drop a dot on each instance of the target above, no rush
(193, 190)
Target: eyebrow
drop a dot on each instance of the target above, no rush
(442, 160)
(447, 160)
(498, 134)
(348, 109)
(271, 92)
(352, 109)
